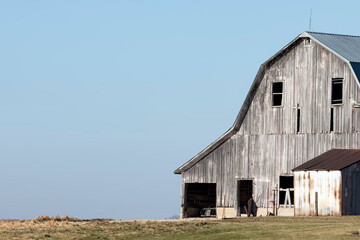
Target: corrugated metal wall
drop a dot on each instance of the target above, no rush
(351, 190)
(267, 144)
(327, 184)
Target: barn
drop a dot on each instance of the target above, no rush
(328, 184)
(304, 101)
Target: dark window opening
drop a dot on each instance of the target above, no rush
(277, 92)
(286, 191)
(244, 193)
(298, 121)
(198, 197)
(337, 91)
(332, 120)
(286, 181)
(307, 42)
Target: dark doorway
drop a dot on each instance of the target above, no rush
(244, 193)
(199, 196)
(286, 188)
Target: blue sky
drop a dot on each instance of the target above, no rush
(102, 100)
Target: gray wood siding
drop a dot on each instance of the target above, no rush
(267, 144)
(306, 73)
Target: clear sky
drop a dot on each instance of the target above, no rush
(100, 101)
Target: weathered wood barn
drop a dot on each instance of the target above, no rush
(304, 101)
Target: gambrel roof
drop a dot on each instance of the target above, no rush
(345, 47)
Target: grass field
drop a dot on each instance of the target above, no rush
(244, 228)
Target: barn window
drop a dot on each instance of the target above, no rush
(277, 93)
(307, 42)
(337, 91)
(286, 191)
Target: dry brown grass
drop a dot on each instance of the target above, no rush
(39, 222)
(57, 218)
(45, 227)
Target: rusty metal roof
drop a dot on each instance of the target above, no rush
(335, 159)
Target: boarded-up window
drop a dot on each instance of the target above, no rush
(337, 91)
(277, 93)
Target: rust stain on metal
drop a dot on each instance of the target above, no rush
(340, 189)
(326, 184)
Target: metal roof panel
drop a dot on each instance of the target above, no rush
(345, 45)
(335, 159)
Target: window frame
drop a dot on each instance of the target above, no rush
(272, 94)
(337, 101)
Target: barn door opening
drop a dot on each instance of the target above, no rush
(200, 196)
(286, 191)
(244, 193)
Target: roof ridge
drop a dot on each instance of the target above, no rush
(333, 34)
